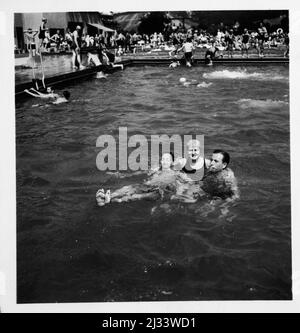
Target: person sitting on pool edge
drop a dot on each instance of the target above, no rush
(93, 60)
(109, 59)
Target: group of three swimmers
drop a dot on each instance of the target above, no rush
(185, 179)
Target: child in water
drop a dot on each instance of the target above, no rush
(162, 182)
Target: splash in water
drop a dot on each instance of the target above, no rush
(243, 74)
(246, 103)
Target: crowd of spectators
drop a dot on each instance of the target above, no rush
(224, 40)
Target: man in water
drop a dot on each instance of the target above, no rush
(219, 180)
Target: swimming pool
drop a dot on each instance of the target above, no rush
(70, 250)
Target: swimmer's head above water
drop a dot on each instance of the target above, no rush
(219, 161)
(193, 149)
(167, 160)
(66, 94)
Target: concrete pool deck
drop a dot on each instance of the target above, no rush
(58, 71)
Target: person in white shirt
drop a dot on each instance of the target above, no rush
(188, 49)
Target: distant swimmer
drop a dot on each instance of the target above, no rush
(174, 64)
(63, 99)
(101, 75)
(187, 83)
(57, 99)
(50, 93)
(204, 84)
(161, 183)
(219, 180)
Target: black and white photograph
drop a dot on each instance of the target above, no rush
(152, 155)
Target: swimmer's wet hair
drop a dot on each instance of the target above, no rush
(67, 94)
(226, 156)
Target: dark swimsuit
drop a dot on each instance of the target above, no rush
(195, 175)
(73, 45)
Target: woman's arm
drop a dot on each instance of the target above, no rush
(32, 94)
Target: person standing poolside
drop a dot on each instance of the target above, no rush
(75, 47)
(287, 45)
(46, 42)
(219, 180)
(188, 49)
(230, 40)
(69, 39)
(210, 54)
(30, 41)
(262, 36)
(57, 39)
(42, 32)
(245, 43)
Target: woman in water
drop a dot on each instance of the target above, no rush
(56, 98)
(163, 181)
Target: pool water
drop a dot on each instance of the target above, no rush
(71, 250)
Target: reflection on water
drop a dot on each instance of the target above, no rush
(70, 250)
